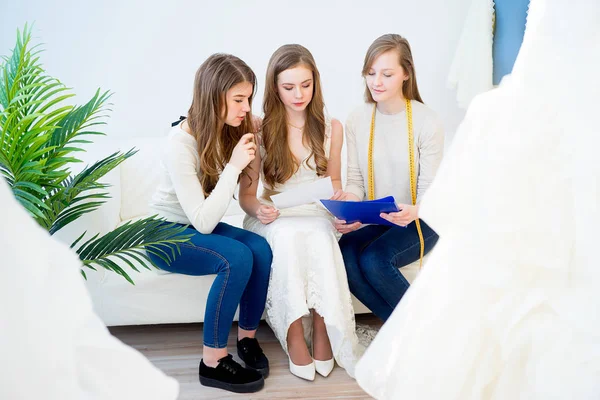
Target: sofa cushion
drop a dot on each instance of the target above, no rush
(140, 175)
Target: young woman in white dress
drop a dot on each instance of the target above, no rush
(507, 305)
(308, 298)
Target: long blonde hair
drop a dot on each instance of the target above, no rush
(206, 116)
(280, 164)
(393, 42)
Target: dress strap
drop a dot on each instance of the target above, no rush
(327, 144)
(181, 118)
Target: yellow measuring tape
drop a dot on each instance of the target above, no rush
(411, 160)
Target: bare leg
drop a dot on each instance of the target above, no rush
(242, 334)
(297, 348)
(321, 345)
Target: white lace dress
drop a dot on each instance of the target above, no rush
(308, 271)
(507, 305)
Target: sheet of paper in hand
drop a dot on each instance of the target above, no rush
(304, 194)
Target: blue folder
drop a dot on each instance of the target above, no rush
(366, 212)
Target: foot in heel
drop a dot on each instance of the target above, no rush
(303, 371)
(324, 368)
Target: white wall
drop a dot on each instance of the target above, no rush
(147, 52)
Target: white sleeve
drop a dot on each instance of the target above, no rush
(431, 151)
(203, 213)
(354, 178)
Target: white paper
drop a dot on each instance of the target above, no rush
(304, 194)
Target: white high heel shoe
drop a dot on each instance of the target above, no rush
(303, 371)
(324, 368)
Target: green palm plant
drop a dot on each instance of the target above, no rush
(40, 137)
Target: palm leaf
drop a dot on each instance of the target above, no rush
(127, 242)
(40, 136)
(23, 86)
(73, 125)
(64, 209)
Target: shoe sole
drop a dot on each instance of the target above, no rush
(249, 387)
(263, 371)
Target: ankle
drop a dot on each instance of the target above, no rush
(242, 334)
(211, 356)
(301, 360)
(210, 363)
(323, 354)
(322, 348)
(298, 352)
(298, 345)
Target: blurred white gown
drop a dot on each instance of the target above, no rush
(53, 345)
(507, 305)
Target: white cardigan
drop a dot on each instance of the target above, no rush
(179, 196)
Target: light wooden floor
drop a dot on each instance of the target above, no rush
(177, 349)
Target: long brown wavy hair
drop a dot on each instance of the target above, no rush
(206, 116)
(395, 42)
(280, 164)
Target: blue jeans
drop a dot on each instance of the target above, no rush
(242, 262)
(372, 256)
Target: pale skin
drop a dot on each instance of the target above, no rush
(295, 88)
(238, 105)
(384, 80)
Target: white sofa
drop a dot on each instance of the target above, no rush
(157, 296)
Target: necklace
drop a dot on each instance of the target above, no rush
(297, 127)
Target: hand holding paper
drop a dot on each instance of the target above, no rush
(339, 195)
(304, 194)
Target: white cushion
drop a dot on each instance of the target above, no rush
(140, 175)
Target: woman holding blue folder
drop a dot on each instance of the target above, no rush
(395, 145)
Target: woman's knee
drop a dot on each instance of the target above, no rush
(261, 252)
(239, 261)
(346, 243)
(430, 241)
(259, 247)
(349, 247)
(372, 262)
(351, 255)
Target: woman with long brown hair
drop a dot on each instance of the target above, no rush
(308, 292)
(395, 145)
(204, 157)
